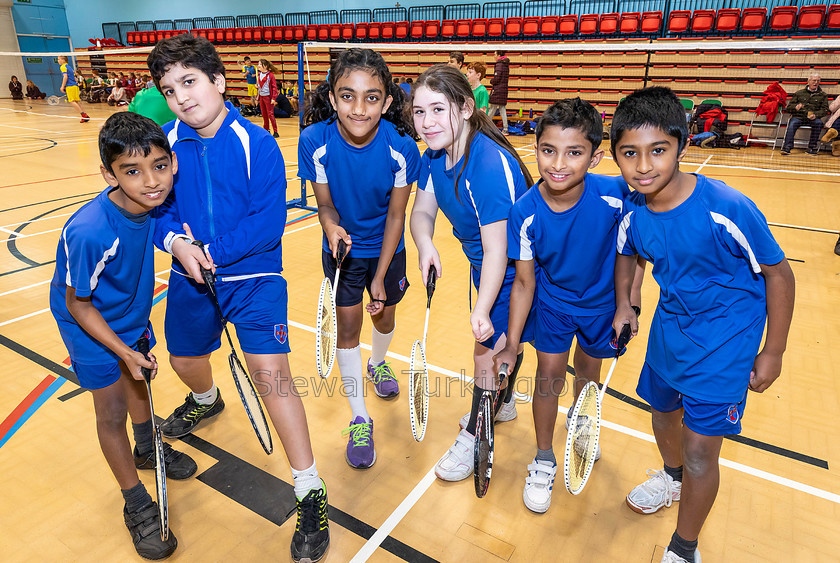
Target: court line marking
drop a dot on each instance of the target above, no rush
(50, 131)
(25, 287)
(4, 227)
(705, 162)
(737, 167)
(10, 321)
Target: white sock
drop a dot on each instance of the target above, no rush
(379, 345)
(208, 397)
(349, 362)
(306, 480)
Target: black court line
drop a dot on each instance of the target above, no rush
(54, 143)
(12, 240)
(37, 358)
(270, 497)
(47, 201)
(758, 444)
(796, 260)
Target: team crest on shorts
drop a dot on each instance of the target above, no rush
(402, 284)
(732, 414)
(280, 333)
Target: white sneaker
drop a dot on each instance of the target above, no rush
(457, 463)
(538, 486)
(597, 450)
(658, 491)
(671, 557)
(507, 412)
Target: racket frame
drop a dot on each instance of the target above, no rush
(160, 461)
(324, 371)
(418, 423)
(485, 419)
(255, 418)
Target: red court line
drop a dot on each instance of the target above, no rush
(160, 288)
(51, 180)
(13, 417)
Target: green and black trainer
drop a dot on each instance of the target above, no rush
(187, 416)
(312, 533)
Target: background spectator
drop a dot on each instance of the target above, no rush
(806, 107)
(32, 91)
(16, 88)
(499, 83)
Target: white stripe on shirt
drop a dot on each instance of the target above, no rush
(622, 232)
(472, 199)
(613, 202)
(94, 279)
(402, 174)
(245, 139)
(508, 177)
(739, 237)
(525, 252)
(320, 173)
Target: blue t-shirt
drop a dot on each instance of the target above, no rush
(706, 252)
(360, 178)
(574, 251)
(487, 188)
(250, 74)
(67, 70)
(105, 256)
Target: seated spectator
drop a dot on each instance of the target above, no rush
(97, 85)
(118, 96)
(32, 91)
(806, 107)
(130, 85)
(282, 106)
(16, 88)
(150, 84)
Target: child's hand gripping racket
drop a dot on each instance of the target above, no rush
(326, 327)
(483, 452)
(244, 385)
(160, 463)
(418, 386)
(585, 426)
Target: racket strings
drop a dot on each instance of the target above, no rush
(585, 438)
(249, 397)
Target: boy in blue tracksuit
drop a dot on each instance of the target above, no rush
(101, 298)
(722, 277)
(230, 194)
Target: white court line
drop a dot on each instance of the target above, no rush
(7, 231)
(50, 131)
(315, 224)
(4, 227)
(25, 287)
(10, 321)
(76, 117)
(782, 171)
(705, 162)
(19, 236)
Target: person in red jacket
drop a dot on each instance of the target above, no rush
(267, 87)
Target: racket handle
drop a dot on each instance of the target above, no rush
(623, 339)
(431, 280)
(503, 372)
(208, 276)
(143, 348)
(341, 252)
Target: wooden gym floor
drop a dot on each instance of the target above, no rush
(779, 496)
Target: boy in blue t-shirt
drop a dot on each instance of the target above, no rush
(229, 193)
(101, 298)
(250, 73)
(569, 280)
(721, 276)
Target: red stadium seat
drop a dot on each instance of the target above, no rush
(362, 31)
(347, 31)
(447, 29)
(239, 34)
(388, 30)
(549, 26)
(401, 31)
(229, 34)
(335, 32)
(463, 28)
(513, 27)
(782, 18)
(702, 21)
(479, 28)
(432, 29)
(810, 17)
(312, 33)
(531, 27)
(608, 24)
(495, 27)
(588, 24)
(374, 31)
(567, 24)
(211, 35)
(629, 22)
(728, 20)
(416, 31)
(832, 18)
(678, 21)
(300, 33)
(258, 34)
(651, 22)
(201, 33)
(753, 19)
(161, 35)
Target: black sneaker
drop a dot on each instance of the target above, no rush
(312, 533)
(813, 152)
(785, 152)
(178, 464)
(187, 416)
(144, 527)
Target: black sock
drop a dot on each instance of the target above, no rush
(143, 437)
(683, 548)
(512, 378)
(675, 472)
(136, 497)
(477, 392)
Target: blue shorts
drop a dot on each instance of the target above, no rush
(255, 306)
(357, 275)
(500, 311)
(708, 419)
(554, 332)
(103, 375)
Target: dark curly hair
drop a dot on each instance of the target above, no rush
(189, 51)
